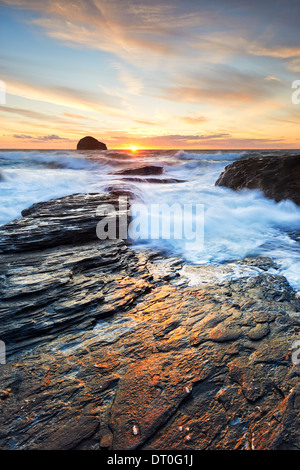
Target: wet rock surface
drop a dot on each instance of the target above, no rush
(278, 177)
(154, 180)
(111, 348)
(69, 220)
(141, 171)
(141, 175)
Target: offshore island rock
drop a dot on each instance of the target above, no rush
(90, 143)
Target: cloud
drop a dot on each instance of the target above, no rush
(211, 140)
(79, 117)
(169, 140)
(272, 77)
(44, 138)
(38, 116)
(133, 83)
(146, 123)
(206, 141)
(290, 54)
(294, 65)
(282, 52)
(192, 120)
(27, 113)
(194, 94)
(63, 96)
(190, 138)
(126, 29)
(22, 136)
(141, 32)
(219, 84)
(51, 137)
(184, 60)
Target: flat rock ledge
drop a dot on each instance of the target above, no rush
(111, 348)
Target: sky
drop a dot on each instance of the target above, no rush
(169, 74)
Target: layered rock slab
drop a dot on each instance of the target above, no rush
(110, 348)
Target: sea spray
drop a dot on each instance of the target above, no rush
(236, 224)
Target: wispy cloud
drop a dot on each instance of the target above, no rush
(192, 120)
(283, 52)
(200, 67)
(208, 141)
(169, 140)
(63, 96)
(132, 82)
(63, 118)
(290, 54)
(223, 84)
(28, 113)
(22, 136)
(41, 138)
(146, 123)
(79, 117)
(121, 27)
(272, 77)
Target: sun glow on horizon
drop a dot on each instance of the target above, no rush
(133, 148)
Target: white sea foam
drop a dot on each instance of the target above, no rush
(59, 159)
(236, 224)
(221, 156)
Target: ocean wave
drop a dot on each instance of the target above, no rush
(52, 159)
(2, 175)
(219, 156)
(236, 224)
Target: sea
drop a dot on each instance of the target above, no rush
(236, 224)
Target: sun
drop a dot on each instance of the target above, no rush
(133, 148)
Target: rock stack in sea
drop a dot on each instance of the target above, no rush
(90, 143)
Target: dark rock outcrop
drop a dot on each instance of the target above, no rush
(277, 176)
(90, 143)
(63, 221)
(111, 348)
(141, 171)
(153, 180)
(132, 174)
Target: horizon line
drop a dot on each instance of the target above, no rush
(151, 148)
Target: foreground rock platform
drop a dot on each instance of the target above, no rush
(278, 177)
(112, 348)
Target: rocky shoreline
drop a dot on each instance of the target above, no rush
(114, 348)
(277, 177)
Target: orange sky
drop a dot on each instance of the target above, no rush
(150, 74)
